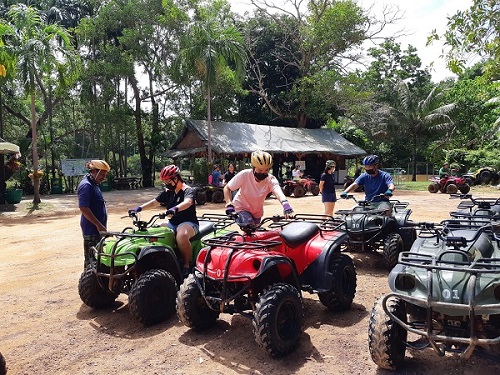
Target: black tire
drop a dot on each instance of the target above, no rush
(299, 191)
(393, 245)
(218, 196)
(192, 309)
(315, 190)
(3, 365)
(90, 291)
(464, 189)
(451, 189)
(433, 188)
(341, 295)
(485, 176)
(287, 190)
(277, 319)
(201, 198)
(152, 297)
(469, 181)
(387, 339)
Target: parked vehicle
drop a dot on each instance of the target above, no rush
(299, 188)
(484, 175)
(445, 292)
(348, 180)
(476, 208)
(143, 262)
(260, 274)
(449, 185)
(372, 230)
(209, 193)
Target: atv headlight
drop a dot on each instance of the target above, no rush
(405, 282)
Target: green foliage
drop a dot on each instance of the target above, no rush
(474, 31)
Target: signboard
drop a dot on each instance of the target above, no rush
(74, 167)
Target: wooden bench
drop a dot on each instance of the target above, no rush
(127, 183)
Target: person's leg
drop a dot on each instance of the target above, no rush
(184, 232)
(329, 206)
(88, 243)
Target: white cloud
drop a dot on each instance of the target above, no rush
(420, 18)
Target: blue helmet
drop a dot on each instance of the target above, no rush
(371, 160)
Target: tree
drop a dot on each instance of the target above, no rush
(40, 49)
(473, 31)
(314, 49)
(411, 117)
(210, 46)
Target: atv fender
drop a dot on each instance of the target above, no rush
(162, 257)
(317, 275)
(283, 265)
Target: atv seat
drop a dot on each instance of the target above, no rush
(296, 233)
(482, 243)
(205, 227)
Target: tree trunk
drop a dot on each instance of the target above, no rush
(34, 148)
(209, 123)
(145, 162)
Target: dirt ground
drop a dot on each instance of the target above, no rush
(45, 328)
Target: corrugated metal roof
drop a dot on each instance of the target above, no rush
(238, 137)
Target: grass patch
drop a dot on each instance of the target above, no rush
(413, 185)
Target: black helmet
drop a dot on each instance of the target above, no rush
(371, 160)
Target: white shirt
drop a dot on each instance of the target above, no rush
(252, 193)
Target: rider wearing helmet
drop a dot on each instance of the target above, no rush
(327, 187)
(92, 206)
(254, 185)
(179, 199)
(376, 182)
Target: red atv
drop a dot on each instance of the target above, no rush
(449, 185)
(299, 188)
(260, 274)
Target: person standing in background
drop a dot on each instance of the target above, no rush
(216, 176)
(327, 187)
(92, 206)
(229, 174)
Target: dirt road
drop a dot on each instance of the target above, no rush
(45, 328)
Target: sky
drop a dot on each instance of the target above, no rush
(420, 18)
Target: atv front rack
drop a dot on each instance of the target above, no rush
(231, 242)
(471, 270)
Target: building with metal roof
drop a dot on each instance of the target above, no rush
(238, 140)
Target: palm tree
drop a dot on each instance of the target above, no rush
(39, 49)
(414, 117)
(208, 47)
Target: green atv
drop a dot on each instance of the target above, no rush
(143, 262)
(445, 292)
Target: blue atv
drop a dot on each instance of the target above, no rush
(143, 262)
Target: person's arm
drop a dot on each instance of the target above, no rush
(321, 184)
(150, 204)
(351, 187)
(227, 195)
(89, 215)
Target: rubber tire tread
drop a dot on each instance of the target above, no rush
(266, 315)
(218, 196)
(393, 245)
(387, 339)
(91, 293)
(192, 310)
(433, 188)
(315, 190)
(299, 191)
(338, 298)
(149, 282)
